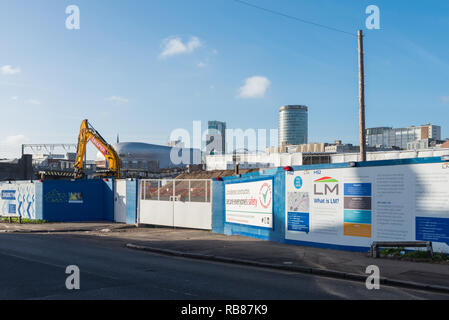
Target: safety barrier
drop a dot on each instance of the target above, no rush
(18, 199)
(58, 200)
(374, 251)
(341, 206)
(175, 203)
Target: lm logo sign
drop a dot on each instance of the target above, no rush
(325, 186)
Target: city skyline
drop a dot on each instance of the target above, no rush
(201, 153)
(157, 66)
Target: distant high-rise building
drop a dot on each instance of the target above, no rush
(216, 137)
(399, 137)
(293, 125)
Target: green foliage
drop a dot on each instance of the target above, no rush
(418, 255)
(24, 220)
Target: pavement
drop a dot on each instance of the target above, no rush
(6, 227)
(206, 245)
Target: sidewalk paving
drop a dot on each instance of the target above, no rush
(238, 249)
(61, 227)
(335, 263)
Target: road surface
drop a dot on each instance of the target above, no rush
(32, 266)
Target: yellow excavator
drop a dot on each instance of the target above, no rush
(87, 132)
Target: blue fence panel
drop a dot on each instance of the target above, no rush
(427, 229)
(276, 233)
(77, 200)
(218, 214)
(131, 200)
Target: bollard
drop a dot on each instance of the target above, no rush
(430, 250)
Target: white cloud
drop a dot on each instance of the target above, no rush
(117, 99)
(13, 141)
(14, 98)
(33, 101)
(10, 147)
(254, 87)
(445, 99)
(175, 46)
(9, 70)
(201, 65)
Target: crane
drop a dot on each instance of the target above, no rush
(87, 132)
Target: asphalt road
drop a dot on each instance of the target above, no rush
(32, 266)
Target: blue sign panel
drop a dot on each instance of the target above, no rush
(12, 208)
(298, 221)
(8, 194)
(358, 216)
(358, 189)
(298, 182)
(432, 229)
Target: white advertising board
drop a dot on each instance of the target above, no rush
(17, 199)
(250, 203)
(356, 206)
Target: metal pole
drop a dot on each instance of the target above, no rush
(173, 202)
(362, 98)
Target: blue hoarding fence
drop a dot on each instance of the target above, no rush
(358, 205)
(75, 200)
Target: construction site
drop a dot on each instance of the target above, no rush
(121, 160)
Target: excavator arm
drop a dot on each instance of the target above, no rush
(87, 132)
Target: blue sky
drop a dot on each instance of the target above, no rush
(113, 71)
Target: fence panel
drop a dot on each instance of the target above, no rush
(17, 199)
(176, 203)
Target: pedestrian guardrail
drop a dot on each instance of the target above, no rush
(374, 252)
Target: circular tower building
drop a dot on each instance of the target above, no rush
(293, 125)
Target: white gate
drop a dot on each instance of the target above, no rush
(120, 201)
(176, 203)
